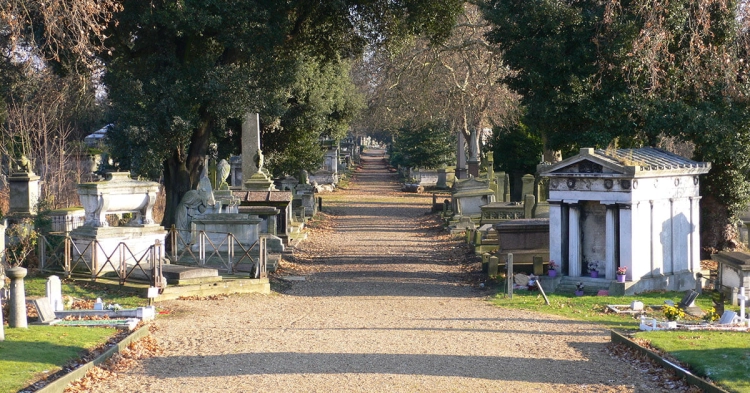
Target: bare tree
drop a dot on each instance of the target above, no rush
(459, 80)
(61, 31)
(37, 128)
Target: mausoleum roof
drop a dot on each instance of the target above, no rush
(641, 162)
(650, 158)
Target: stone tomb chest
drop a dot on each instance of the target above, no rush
(635, 208)
(734, 271)
(470, 195)
(97, 242)
(524, 238)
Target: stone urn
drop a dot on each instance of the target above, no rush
(17, 315)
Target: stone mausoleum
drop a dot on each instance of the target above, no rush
(635, 208)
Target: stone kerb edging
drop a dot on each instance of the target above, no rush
(59, 385)
(691, 378)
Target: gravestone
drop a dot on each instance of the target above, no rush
(527, 186)
(45, 311)
(688, 300)
(727, 317)
(688, 304)
(54, 293)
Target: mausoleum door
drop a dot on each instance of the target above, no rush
(593, 235)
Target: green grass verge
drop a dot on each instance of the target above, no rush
(592, 308)
(36, 286)
(723, 357)
(29, 354)
(33, 353)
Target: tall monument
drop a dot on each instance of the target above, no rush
(461, 157)
(253, 177)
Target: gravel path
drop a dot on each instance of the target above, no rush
(384, 307)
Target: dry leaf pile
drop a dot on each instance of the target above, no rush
(665, 378)
(144, 348)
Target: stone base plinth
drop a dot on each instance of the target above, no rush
(105, 249)
(244, 227)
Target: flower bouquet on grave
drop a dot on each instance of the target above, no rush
(579, 288)
(594, 269)
(621, 273)
(552, 272)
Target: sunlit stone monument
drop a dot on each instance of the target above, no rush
(117, 194)
(633, 208)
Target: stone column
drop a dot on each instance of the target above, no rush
(461, 157)
(626, 240)
(655, 229)
(574, 242)
(694, 256)
(506, 188)
(610, 242)
(17, 316)
(555, 232)
(473, 161)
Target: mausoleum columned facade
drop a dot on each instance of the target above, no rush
(633, 208)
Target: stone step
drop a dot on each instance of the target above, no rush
(591, 285)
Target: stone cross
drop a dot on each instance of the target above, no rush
(54, 293)
(250, 144)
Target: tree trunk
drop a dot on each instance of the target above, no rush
(718, 233)
(182, 172)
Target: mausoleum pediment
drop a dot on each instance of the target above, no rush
(590, 166)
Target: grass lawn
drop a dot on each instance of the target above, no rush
(31, 354)
(28, 355)
(36, 286)
(724, 357)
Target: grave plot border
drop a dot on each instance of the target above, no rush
(61, 383)
(691, 378)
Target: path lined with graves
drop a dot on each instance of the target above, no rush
(383, 307)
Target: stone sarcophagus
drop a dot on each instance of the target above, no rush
(105, 248)
(118, 194)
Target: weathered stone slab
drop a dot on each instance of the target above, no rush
(177, 272)
(43, 308)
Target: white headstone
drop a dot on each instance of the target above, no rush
(54, 293)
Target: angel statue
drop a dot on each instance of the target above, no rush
(222, 169)
(195, 202)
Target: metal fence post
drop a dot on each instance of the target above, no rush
(262, 258)
(509, 266)
(230, 253)
(66, 262)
